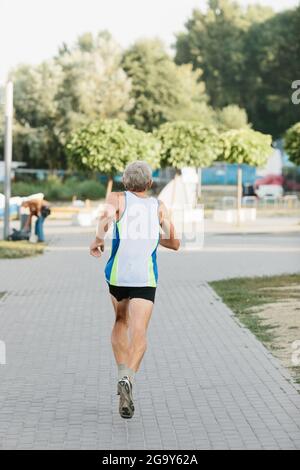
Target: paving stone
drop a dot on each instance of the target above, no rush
(205, 382)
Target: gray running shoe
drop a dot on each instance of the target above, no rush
(126, 406)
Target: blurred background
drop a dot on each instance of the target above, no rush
(207, 92)
(211, 86)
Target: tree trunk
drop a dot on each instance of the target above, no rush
(239, 194)
(109, 185)
(174, 187)
(199, 185)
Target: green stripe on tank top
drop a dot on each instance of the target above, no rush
(151, 276)
(114, 269)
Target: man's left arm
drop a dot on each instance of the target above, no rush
(111, 207)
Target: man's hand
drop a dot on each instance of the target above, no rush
(97, 247)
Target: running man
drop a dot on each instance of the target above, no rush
(140, 224)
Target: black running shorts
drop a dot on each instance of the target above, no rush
(124, 292)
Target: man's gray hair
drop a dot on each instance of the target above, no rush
(137, 176)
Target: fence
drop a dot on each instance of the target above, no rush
(288, 202)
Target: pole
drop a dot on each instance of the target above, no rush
(239, 194)
(7, 153)
(199, 183)
(109, 187)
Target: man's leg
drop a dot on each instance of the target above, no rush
(140, 314)
(119, 336)
(39, 229)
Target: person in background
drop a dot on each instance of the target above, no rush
(40, 209)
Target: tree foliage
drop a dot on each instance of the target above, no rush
(84, 82)
(233, 66)
(232, 117)
(94, 85)
(245, 146)
(108, 145)
(161, 90)
(292, 143)
(35, 129)
(272, 58)
(188, 144)
(214, 42)
(249, 57)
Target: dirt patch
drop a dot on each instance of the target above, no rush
(293, 287)
(269, 306)
(284, 316)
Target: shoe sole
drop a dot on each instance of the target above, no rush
(127, 408)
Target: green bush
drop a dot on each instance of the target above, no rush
(56, 189)
(90, 190)
(292, 143)
(22, 188)
(59, 191)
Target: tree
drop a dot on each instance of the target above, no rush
(249, 57)
(272, 57)
(245, 146)
(214, 42)
(191, 99)
(83, 83)
(232, 117)
(187, 144)
(161, 90)
(94, 84)
(108, 145)
(35, 128)
(292, 143)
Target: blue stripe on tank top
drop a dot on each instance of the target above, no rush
(154, 262)
(114, 249)
(153, 256)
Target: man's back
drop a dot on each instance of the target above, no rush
(135, 240)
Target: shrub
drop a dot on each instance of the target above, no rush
(59, 192)
(55, 189)
(292, 143)
(22, 188)
(90, 190)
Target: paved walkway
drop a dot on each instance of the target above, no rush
(206, 382)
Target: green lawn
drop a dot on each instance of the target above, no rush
(20, 249)
(270, 307)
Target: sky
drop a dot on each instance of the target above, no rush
(32, 30)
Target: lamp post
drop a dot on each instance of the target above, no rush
(7, 153)
(239, 194)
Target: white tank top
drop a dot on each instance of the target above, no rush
(134, 245)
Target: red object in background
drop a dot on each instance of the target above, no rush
(291, 185)
(270, 179)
